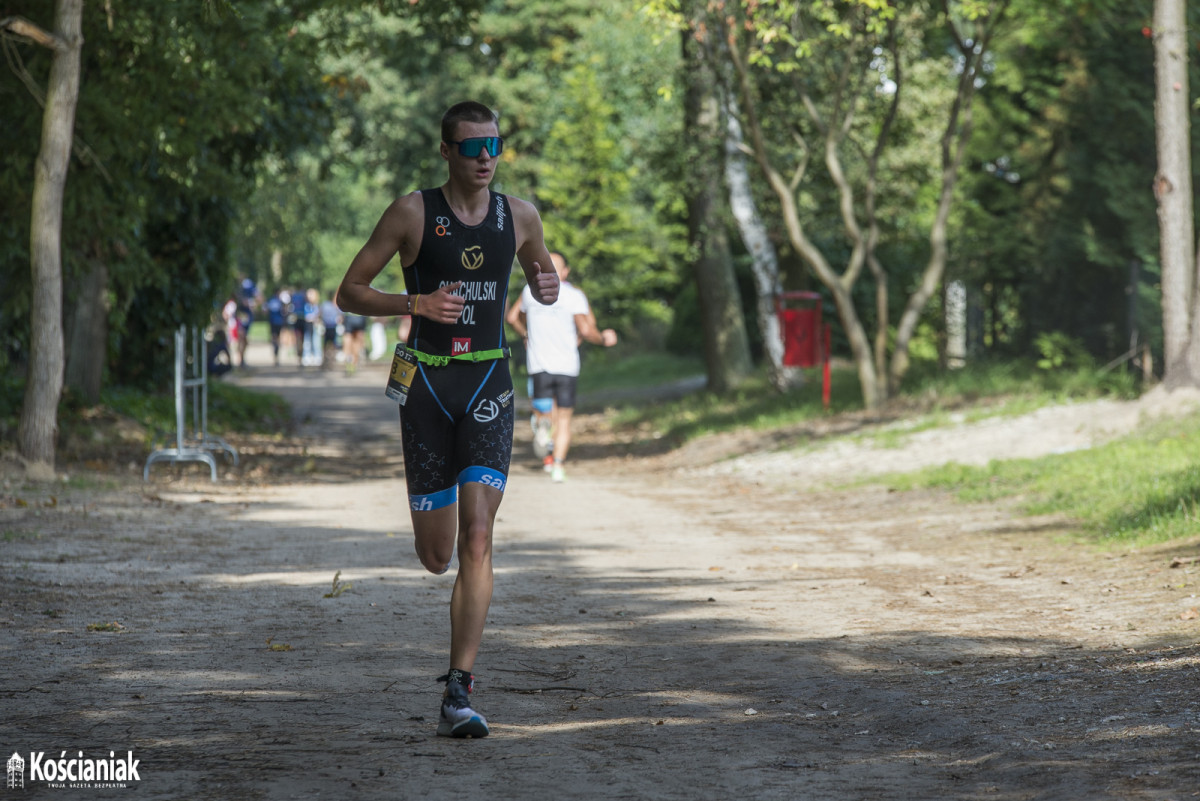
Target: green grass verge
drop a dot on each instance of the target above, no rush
(606, 370)
(231, 409)
(1137, 491)
(928, 396)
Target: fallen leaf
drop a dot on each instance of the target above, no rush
(1189, 614)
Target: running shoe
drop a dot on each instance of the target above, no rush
(558, 474)
(548, 463)
(543, 437)
(458, 719)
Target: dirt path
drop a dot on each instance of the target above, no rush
(659, 631)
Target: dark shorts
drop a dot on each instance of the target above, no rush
(559, 387)
(456, 427)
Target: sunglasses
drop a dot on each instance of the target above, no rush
(471, 148)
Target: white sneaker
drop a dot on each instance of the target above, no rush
(557, 474)
(543, 438)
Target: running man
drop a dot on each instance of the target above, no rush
(456, 245)
(552, 336)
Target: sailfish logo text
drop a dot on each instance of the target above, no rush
(472, 257)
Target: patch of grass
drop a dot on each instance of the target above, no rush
(1136, 491)
(128, 420)
(604, 370)
(753, 405)
(339, 586)
(927, 397)
(230, 409)
(14, 535)
(1023, 379)
(91, 482)
(112, 626)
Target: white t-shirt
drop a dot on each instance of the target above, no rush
(553, 345)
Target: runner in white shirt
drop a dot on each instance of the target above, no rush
(552, 336)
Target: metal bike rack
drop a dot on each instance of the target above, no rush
(201, 446)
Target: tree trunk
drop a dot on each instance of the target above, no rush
(764, 260)
(87, 334)
(39, 414)
(860, 346)
(726, 348)
(1173, 192)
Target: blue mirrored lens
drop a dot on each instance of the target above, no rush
(472, 147)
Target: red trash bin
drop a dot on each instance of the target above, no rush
(805, 339)
(800, 325)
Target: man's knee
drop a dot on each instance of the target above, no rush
(435, 558)
(435, 521)
(475, 541)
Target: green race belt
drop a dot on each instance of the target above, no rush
(473, 356)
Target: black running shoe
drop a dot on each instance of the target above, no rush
(458, 719)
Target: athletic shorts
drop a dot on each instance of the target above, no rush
(456, 427)
(559, 387)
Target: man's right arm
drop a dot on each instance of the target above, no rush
(516, 318)
(398, 231)
(392, 233)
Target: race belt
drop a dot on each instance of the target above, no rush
(471, 356)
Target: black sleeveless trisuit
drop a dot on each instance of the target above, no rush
(457, 424)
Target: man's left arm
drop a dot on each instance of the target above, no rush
(586, 325)
(532, 253)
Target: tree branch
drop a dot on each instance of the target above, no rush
(81, 149)
(19, 26)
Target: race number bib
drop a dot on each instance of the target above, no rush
(404, 368)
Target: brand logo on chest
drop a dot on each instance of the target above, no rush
(472, 258)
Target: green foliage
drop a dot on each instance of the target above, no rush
(1059, 350)
(178, 106)
(595, 146)
(221, 132)
(1058, 231)
(588, 139)
(12, 395)
(593, 207)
